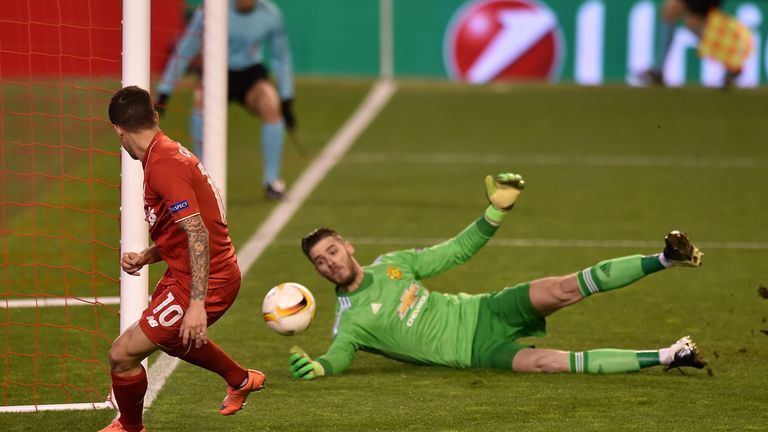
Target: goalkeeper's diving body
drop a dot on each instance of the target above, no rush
(252, 25)
(384, 308)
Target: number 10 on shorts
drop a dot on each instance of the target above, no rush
(171, 312)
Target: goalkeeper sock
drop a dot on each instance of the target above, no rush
(611, 361)
(211, 357)
(129, 395)
(196, 132)
(616, 273)
(272, 145)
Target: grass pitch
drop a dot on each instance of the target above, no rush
(608, 172)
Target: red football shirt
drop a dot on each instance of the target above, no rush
(176, 187)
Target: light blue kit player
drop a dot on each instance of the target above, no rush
(252, 24)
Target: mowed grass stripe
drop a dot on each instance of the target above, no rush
(659, 161)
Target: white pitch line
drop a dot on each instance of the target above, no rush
(377, 98)
(374, 102)
(555, 160)
(58, 302)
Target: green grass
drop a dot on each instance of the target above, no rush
(601, 164)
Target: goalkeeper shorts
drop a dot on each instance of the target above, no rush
(240, 81)
(503, 317)
(161, 321)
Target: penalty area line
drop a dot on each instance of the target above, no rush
(374, 102)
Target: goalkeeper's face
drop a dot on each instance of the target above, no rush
(333, 259)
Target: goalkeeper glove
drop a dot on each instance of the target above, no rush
(302, 365)
(286, 107)
(161, 103)
(502, 192)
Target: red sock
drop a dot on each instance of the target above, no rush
(211, 357)
(129, 395)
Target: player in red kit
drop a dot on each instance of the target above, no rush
(189, 231)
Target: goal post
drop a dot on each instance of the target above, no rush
(134, 234)
(215, 94)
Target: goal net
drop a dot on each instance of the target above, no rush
(60, 62)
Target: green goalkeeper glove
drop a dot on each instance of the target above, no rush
(502, 191)
(302, 365)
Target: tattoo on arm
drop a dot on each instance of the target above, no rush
(199, 255)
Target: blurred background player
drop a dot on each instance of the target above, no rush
(252, 24)
(672, 11)
(695, 13)
(384, 308)
(190, 234)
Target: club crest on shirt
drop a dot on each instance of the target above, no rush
(150, 216)
(183, 150)
(179, 206)
(394, 273)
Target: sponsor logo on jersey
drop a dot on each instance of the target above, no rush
(417, 309)
(394, 273)
(407, 300)
(179, 206)
(503, 40)
(375, 307)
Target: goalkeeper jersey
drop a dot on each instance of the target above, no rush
(393, 314)
(248, 33)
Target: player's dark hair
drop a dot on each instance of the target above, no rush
(131, 109)
(310, 240)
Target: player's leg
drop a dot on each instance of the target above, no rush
(683, 353)
(507, 315)
(263, 100)
(671, 12)
(129, 379)
(175, 297)
(551, 294)
(240, 381)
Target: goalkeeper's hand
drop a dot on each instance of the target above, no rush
(161, 102)
(502, 192)
(286, 108)
(302, 365)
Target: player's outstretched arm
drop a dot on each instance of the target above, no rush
(302, 366)
(502, 192)
(188, 47)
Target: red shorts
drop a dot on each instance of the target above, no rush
(161, 321)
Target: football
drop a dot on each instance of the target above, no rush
(288, 308)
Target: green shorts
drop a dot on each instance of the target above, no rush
(503, 317)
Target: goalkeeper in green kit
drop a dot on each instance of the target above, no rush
(384, 308)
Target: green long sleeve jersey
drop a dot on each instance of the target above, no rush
(393, 314)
